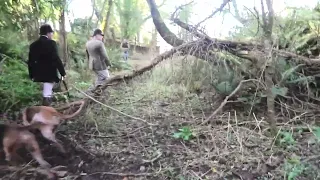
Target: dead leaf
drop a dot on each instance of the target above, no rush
(61, 173)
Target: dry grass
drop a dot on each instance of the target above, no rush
(236, 146)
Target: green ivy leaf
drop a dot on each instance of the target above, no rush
(281, 91)
(177, 135)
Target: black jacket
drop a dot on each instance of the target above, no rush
(44, 61)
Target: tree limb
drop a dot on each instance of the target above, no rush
(234, 47)
(174, 14)
(225, 2)
(148, 17)
(225, 101)
(161, 27)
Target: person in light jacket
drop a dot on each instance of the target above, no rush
(98, 58)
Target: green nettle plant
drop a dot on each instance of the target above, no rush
(184, 133)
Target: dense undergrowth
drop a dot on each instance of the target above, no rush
(17, 90)
(168, 96)
(178, 95)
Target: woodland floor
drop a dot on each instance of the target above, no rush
(103, 144)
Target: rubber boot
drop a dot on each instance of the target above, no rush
(46, 101)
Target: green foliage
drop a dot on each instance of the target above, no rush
(82, 26)
(185, 133)
(76, 48)
(316, 138)
(290, 72)
(131, 15)
(185, 13)
(286, 139)
(25, 14)
(316, 132)
(10, 47)
(298, 31)
(281, 91)
(251, 99)
(225, 81)
(115, 56)
(224, 87)
(294, 168)
(16, 89)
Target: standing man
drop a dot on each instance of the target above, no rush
(44, 62)
(98, 59)
(125, 49)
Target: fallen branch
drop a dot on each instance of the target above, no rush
(225, 101)
(144, 69)
(50, 173)
(75, 103)
(121, 174)
(121, 135)
(125, 77)
(234, 47)
(153, 159)
(132, 117)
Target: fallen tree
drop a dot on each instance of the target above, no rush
(208, 48)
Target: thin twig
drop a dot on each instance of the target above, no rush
(173, 15)
(225, 101)
(122, 135)
(132, 117)
(121, 174)
(225, 2)
(154, 159)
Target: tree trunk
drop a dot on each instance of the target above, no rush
(93, 2)
(100, 13)
(35, 22)
(107, 20)
(63, 36)
(138, 38)
(113, 34)
(269, 71)
(153, 44)
(163, 30)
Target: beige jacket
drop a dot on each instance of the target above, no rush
(97, 55)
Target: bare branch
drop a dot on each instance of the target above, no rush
(148, 17)
(264, 20)
(256, 15)
(225, 2)
(270, 15)
(161, 27)
(225, 101)
(174, 14)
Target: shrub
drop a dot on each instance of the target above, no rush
(16, 89)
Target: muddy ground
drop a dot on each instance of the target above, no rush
(139, 152)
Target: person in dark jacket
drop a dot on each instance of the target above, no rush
(44, 62)
(125, 49)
